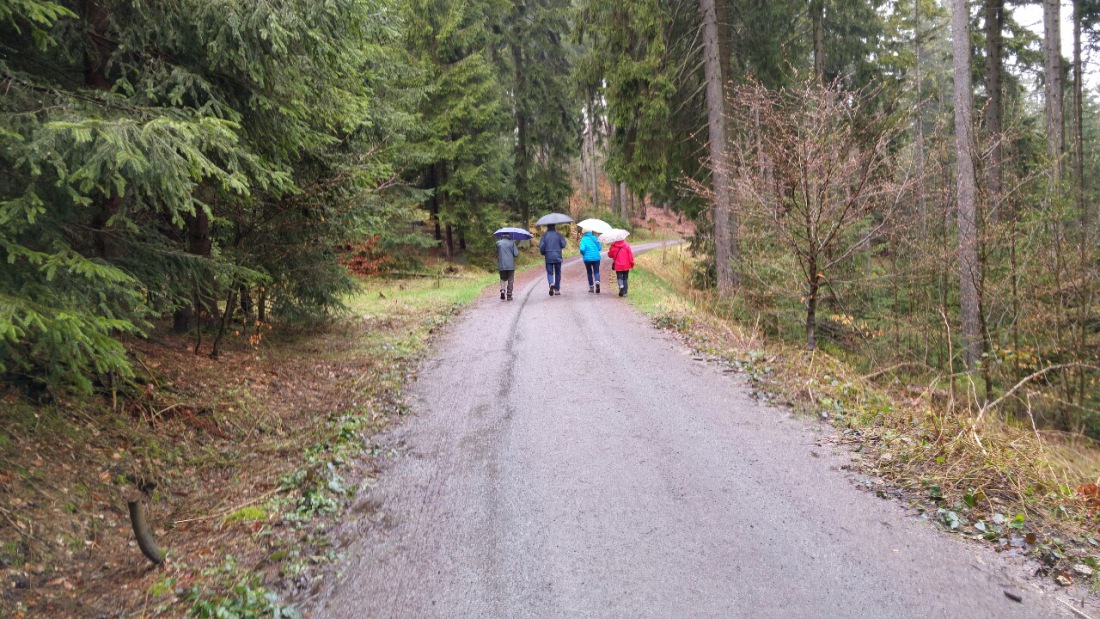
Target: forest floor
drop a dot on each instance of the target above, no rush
(243, 464)
(991, 478)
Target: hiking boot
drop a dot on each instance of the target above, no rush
(622, 293)
(501, 295)
(551, 291)
(597, 287)
(590, 289)
(509, 297)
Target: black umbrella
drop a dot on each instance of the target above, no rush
(553, 219)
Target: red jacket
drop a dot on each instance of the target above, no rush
(621, 255)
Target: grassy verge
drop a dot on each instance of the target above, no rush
(243, 464)
(982, 476)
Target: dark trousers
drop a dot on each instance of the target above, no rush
(624, 281)
(592, 269)
(553, 275)
(510, 278)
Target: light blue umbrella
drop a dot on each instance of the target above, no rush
(516, 234)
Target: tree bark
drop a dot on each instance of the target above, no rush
(1052, 50)
(716, 129)
(967, 211)
(521, 158)
(922, 214)
(817, 16)
(994, 70)
(1078, 127)
(624, 205)
(592, 134)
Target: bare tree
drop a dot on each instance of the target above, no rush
(832, 178)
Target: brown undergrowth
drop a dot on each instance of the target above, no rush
(985, 475)
(243, 464)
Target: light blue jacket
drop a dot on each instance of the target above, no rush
(590, 248)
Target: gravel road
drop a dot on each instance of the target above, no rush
(565, 459)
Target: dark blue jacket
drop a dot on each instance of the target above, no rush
(551, 245)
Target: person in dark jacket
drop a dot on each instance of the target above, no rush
(590, 254)
(622, 260)
(506, 264)
(550, 247)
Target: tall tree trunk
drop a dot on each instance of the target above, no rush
(817, 16)
(967, 211)
(922, 214)
(716, 126)
(614, 186)
(1052, 50)
(450, 242)
(521, 156)
(624, 196)
(994, 69)
(433, 204)
(592, 134)
(1078, 127)
(98, 51)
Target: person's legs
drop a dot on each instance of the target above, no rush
(503, 279)
(588, 268)
(557, 276)
(550, 275)
(626, 281)
(620, 277)
(596, 268)
(511, 282)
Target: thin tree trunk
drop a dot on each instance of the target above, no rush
(614, 196)
(994, 69)
(967, 211)
(624, 197)
(922, 215)
(226, 317)
(1078, 127)
(716, 126)
(592, 138)
(1052, 50)
(521, 156)
(817, 16)
(450, 242)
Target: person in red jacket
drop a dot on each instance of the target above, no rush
(622, 260)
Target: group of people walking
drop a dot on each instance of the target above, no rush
(551, 246)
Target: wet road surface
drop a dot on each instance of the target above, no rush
(565, 459)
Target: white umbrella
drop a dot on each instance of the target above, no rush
(598, 226)
(614, 236)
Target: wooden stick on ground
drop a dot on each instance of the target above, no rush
(144, 534)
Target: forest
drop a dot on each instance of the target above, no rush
(909, 184)
(230, 230)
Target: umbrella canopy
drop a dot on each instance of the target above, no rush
(614, 236)
(554, 218)
(516, 234)
(598, 226)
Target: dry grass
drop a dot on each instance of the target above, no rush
(977, 474)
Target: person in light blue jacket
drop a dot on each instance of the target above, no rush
(590, 254)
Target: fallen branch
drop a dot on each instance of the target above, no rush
(144, 534)
(1032, 377)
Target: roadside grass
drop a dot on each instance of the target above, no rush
(244, 464)
(982, 476)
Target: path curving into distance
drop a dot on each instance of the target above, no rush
(566, 459)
